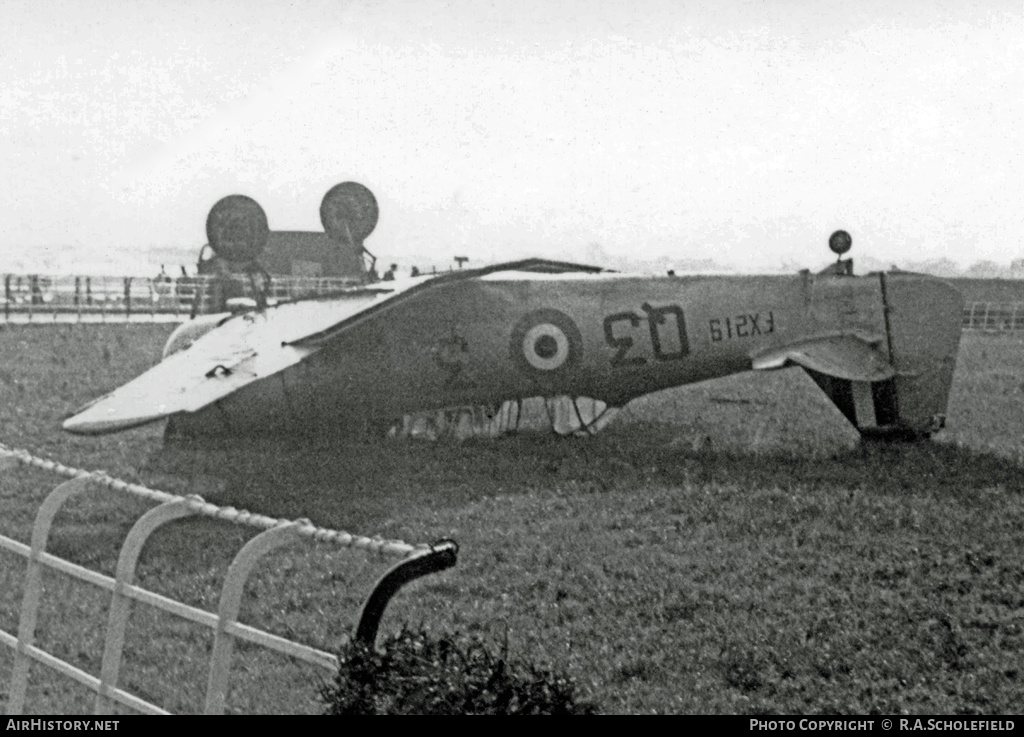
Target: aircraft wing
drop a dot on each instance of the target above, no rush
(183, 382)
(845, 356)
(244, 349)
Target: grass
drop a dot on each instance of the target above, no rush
(725, 547)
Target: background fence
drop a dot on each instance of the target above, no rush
(994, 316)
(37, 298)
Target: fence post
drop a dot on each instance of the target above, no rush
(120, 603)
(34, 588)
(128, 297)
(440, 556)
(231, 602)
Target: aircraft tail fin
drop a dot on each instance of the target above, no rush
(896, 385)
(924, 319)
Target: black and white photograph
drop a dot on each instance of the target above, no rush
(487, 357)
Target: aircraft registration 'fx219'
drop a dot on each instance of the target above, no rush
(881, 346)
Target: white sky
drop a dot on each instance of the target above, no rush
(740, 131)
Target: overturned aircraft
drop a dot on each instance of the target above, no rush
(473, 348)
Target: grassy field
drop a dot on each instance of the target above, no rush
(725, 547)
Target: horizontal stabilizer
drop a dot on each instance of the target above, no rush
(848, 357)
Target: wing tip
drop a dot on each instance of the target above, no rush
(82, 425)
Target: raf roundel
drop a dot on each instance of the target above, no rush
(546, 343)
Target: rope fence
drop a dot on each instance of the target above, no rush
(413, 561)
(393, 548)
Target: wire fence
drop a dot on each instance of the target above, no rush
(994, 316)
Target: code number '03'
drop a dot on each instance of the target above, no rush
(621, 329)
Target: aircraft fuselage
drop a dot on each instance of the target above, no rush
(507, 335)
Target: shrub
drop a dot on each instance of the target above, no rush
(416, 673)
